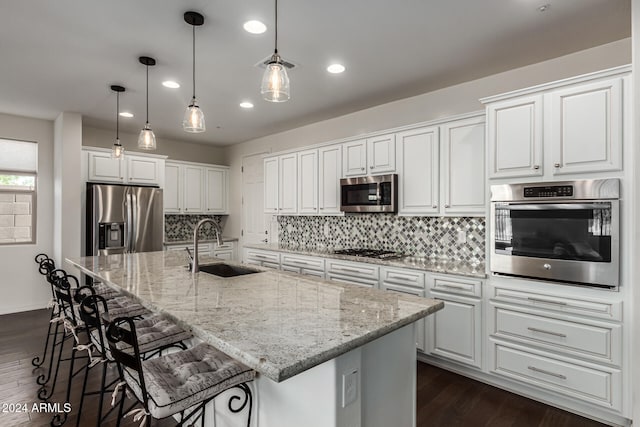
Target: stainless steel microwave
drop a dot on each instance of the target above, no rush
(558, 231)
(369, 194)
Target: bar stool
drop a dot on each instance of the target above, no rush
(45, 266)
(155, 334)
(177, 383)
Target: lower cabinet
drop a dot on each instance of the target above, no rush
(357, 273)
(225, 251)
(455, 332)
(262, 258)
(302, 264)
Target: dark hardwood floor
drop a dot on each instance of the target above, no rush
(444, 398)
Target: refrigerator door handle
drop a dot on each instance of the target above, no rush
(128, 225)
(134, 220)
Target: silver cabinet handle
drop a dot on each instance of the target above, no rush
(447, 206)
(536, 166)
(321, 208)
(434, 206)
(402, 277)
(370, 167)
(361, 169)
(350, 270)
(461, 288)
(542, 371)
(542, 331)
(557, 165)
(546, 301)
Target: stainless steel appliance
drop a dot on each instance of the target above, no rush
(369, 193)
(561, 231)
(368, 253)
(123, 219)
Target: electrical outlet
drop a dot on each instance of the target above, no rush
(462, 237)
(349, 388)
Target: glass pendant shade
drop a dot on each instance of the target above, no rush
(117, 151)
(275, 81)
(146, 139)
(193, 120)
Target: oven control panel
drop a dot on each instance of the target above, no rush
(549, 191)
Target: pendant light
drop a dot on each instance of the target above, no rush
(193, 117)
(117, 151)
(275, 81)
(146, 139)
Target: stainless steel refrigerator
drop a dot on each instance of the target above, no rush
(123, 219)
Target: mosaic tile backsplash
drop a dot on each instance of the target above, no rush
(180, 227)
(417, 236)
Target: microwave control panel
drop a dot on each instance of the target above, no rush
(549, 191)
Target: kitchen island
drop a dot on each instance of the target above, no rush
(327, 354)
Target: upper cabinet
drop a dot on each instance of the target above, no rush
(308, 182)
(574, 126)
(271, 185)
(375, 155)
(132, 169)
(329, 174)
(281, 184)
(196, 188)
(441, 169)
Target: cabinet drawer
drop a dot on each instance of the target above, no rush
(456, 285)
(591, 383)
(610, 310)
(357, 269)
(305, 262)
(353, 280)
(600, 342)
(205, 247)
(224, 246)
(393, 276)
(263, 256)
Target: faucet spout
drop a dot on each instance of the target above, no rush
(195, 264)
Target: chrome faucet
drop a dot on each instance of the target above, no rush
(195, 265)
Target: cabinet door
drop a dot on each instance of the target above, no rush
(308, 182)
(586, 127)
(144, 170)
(172, 197)
(463, 184)
(418, 170)
(216, 190)
(271, 177)
(329, 173)
(193, 189)
(354, 158)
(455, 331)
(381, 152)
(515, 137)
(288, 184)
(103, 168)
(420, 324)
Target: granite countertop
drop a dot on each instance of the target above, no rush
(278, 323)
(190, 241)
(461, 268)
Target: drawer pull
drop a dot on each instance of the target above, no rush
(401, 277)
(300, 262)
(460, 288)
(546, 301)
(260, 256)
(350, 270)
(542, 371)
(557, 334)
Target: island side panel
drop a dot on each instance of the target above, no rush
(389, 380)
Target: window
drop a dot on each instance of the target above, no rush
(18, 178)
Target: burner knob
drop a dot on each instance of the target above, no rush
(547, 266)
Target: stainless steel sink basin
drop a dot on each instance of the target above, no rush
(226, 270)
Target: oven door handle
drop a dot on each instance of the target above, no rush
(553, 206)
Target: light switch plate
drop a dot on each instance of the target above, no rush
(462, 237)
(349, 388)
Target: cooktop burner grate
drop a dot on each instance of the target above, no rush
(369, 253)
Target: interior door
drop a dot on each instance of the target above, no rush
(255, 224)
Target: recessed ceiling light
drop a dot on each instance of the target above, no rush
(126, 114)
(335, 68)
(246, 104)
(171, 84)
(254, 27)
(544, 7)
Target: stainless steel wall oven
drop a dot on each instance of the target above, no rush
(562, 231)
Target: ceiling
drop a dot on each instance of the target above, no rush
(63, 55)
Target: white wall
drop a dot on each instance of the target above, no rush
(176, 150)
(21, 286)
(453, 100)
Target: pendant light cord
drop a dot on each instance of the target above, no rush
(194, 61)
(276, 49)
(117, 116)
(147, 93)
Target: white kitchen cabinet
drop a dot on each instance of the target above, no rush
(288, 184)
(226, 251)
(463, 173)
(329, 174)
(418, 171)
(204, 249)
(271, 185)
(172, 194)
(302, 264)
(262, 258)
(308, 182)
(358, 273)
(586, 127)
(216, 190)
(354, 160)
(132, 169)
(455, 332)
(515, 137)
(193, 189)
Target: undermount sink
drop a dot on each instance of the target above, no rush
(226, 270)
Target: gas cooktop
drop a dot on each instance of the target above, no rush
(369, 253)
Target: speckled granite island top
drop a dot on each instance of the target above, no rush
(278, 323)
(461, 268)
